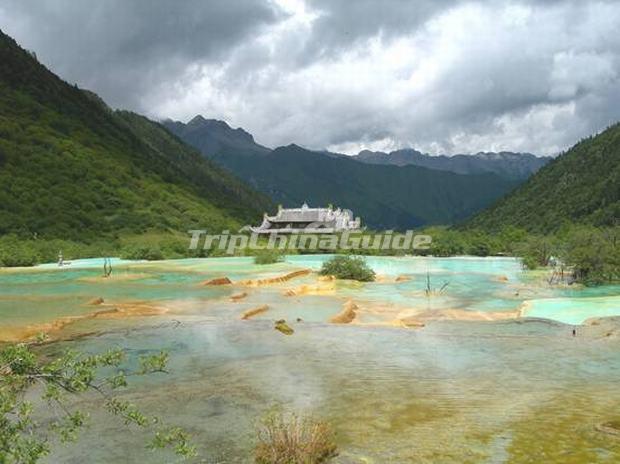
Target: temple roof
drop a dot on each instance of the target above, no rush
(288, 220)
(298, 215)
(307, 214)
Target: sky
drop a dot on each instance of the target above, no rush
(442, 76)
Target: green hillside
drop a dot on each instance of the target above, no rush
(70, 168)
(386, 197)
(582, 186)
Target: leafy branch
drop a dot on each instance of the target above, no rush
(23, 440)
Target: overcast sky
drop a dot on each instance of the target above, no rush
(443, 76)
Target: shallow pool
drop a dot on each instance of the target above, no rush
(42, 295)
(519, 390)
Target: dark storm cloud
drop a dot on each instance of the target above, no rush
(343, 22)
(440, 75)
(121, 48)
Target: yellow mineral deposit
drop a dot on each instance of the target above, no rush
(277, 279)
(282, 326)
(321, 288)
(218, 281)
(238, 296)
(423, 317)
(248, 314)
(111, 311)
(346, 315)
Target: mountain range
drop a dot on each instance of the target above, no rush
(386, 196)
(215, 138)
(507, 164)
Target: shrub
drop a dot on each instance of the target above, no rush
(537, 250)
(173, 247)
(594, 254)
(529, 262)
(15, 252)
(215, 252)
(447, 243)
(268, 257)
(26, 440)
(294, 440)
(149, 253)
(21, 256)
(348, 267)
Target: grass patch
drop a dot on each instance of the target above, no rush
(290, 439)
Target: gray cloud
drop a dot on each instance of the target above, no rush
(342, 23)
(125, 49)
(443, 76)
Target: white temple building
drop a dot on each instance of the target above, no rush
(308, 220)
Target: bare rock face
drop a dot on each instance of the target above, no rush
(218, 281)
(347, 314)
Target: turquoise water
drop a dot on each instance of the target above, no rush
(88, 263)
(574, 310)
(454, 392)
(513, 391)
(46, 293)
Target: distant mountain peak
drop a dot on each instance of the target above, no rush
(198, 119)
(214, 137)
(201, 121)
(294, 146)
(507, 164)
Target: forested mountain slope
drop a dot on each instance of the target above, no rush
(385, 196)
(581, 186)
(71, 168)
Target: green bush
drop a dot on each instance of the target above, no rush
(594, 254)
(147, 252)
(447, 243)
(348, 267)
(268, 257)
(18, 256)
(529, 262)
(15, 252)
